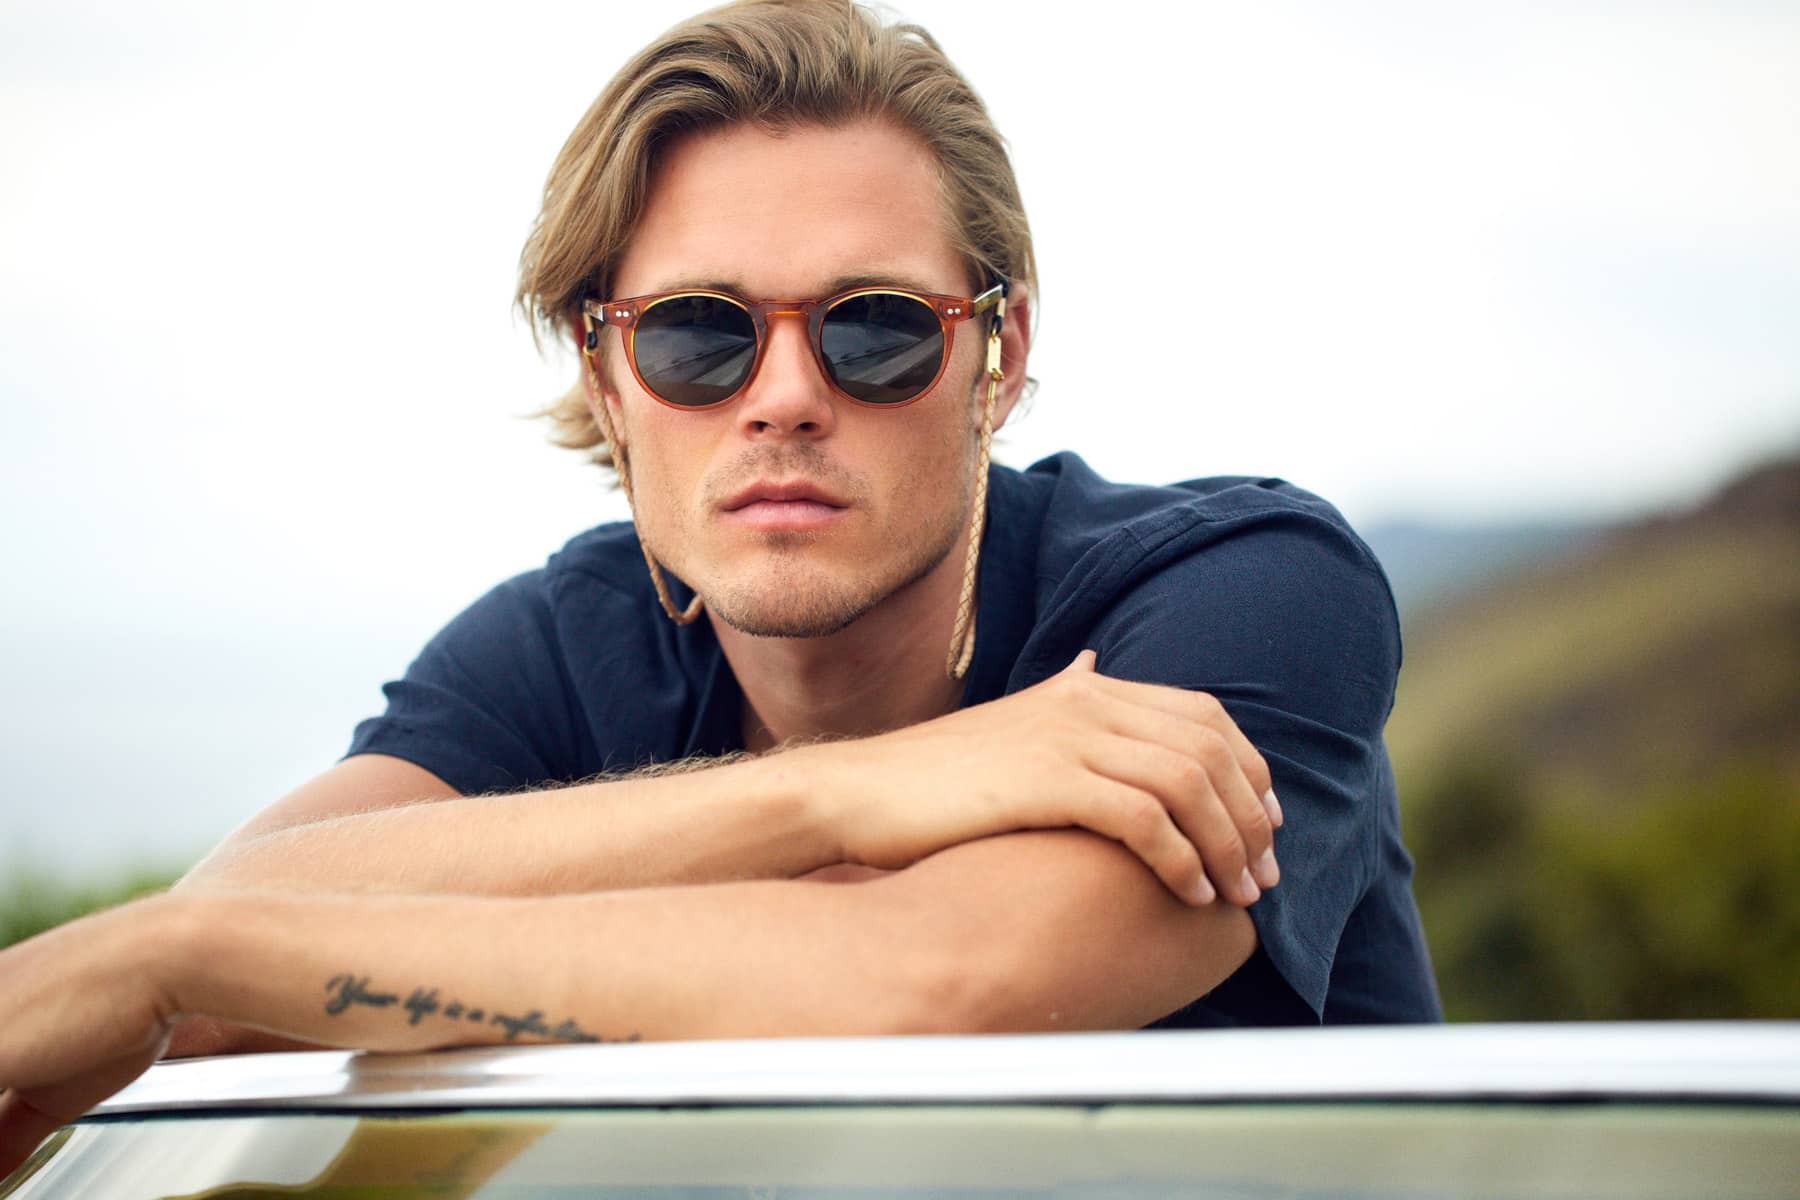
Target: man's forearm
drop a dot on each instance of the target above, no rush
(969, 940)
(751, 819)
(1162, 771)
(416, 972)
(1030, 931)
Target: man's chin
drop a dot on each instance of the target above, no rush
(817, 594)
(789, 616)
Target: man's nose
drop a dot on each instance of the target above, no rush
(790, 394)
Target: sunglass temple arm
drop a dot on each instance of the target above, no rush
(993, 346)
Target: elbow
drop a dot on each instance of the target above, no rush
(1043, 932)
(942, 1000)
(959, 986)
(972, 997)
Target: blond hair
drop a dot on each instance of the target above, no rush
(775, 63)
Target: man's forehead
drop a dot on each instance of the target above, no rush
(806, 212)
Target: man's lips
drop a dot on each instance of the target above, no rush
(796, 505)
(798, 492)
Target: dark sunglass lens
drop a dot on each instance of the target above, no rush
(694, 350)
(883, 349)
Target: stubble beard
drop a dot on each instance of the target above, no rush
(790, 598)
(786, 597)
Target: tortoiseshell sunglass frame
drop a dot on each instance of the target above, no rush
(624, 314)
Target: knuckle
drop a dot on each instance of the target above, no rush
(1223, 840)
(1045, 692)
(1142, 817)
(1252, 821)
(1214, 750)
(1190, 778)
(1074, 691)
(1185, 871)
(1207, 706)
(1229, 860)
(1257, 832)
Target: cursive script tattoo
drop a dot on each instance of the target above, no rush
(347, 990)
(421, 1004)
(533, 1023)
(350, 990)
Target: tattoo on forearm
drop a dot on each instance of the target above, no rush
(343, 991)
(421, 1004)
(348, 989)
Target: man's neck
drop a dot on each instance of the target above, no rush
(885, 671)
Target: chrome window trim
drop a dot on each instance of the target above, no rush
(1712, 1062)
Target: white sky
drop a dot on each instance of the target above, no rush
(259, 376)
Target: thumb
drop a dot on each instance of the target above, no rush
(28, 1116)
(1083, 662)
(22, 1129)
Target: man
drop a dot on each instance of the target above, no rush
(983, 749)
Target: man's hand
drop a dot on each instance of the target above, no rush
(81, 1016)
(1163, 770)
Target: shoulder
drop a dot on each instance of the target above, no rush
(557, 673)
(606, 556)
(591, 568)
(1230, 564)
(507, 653)
(1079, 509)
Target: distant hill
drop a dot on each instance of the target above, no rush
(1429, 564)
(1631, 652)
(1599, 764)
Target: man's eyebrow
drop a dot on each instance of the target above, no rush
(845, 283)
(842, 283)
(697, 283)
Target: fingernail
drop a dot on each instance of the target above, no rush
(1248, 885)
(1267, 873)
(1202, 892)
(1273, 805)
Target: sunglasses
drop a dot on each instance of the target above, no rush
(879, 346)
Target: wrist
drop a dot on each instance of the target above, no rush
(800, 790)
(183, 939)
(153, 945)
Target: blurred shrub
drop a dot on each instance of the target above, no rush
(1677, 904)
(31, 902)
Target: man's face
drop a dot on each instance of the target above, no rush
(793, 217)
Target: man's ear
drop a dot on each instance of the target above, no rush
(1015, 346)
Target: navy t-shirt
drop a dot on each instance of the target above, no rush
(1250, 589)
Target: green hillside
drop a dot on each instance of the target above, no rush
(1599, 764)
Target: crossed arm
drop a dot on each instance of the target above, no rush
(1049, 929)
(89, 1006)
(1163, 771)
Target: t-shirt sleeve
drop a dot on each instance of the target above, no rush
(485, 706)
(1291, 625)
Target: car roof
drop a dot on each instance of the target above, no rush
(1708, 1062)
